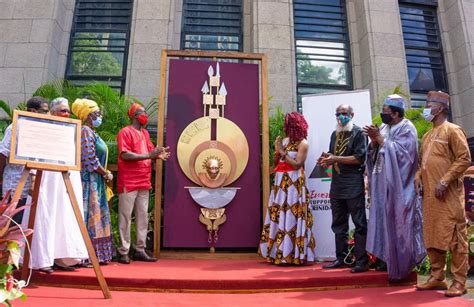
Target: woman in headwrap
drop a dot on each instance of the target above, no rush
(94, 175)
(287, 236)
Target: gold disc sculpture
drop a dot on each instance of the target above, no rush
(213, 164)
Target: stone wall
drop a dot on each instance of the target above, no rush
(378, 52)
(456, 18)
(152, 30)
(272, 34)
(34, 36)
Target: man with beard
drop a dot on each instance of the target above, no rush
(394, 234)
(346, 155)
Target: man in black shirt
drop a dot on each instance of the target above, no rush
(347, 156)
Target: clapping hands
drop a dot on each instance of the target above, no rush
(160, 152)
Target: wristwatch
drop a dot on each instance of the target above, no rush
(443, 183)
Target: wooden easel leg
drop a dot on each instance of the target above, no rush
(31, 222)
(85, 236)
(21, 185)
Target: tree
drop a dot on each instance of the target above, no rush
(91, 58)
(309, 73)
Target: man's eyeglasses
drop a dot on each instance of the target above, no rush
(342, 113)
(63, 111)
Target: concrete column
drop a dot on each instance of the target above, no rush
(151, 31)
(273, 35)
(378, 52)
(34, 36)
(247, 26)
(456, 18)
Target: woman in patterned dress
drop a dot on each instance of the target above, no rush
(94, 174)
(287, 233)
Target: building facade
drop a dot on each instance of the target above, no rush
(313, 46)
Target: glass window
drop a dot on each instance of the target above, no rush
(322, 47)
(98, 49)
(424, 55)
(212, 25)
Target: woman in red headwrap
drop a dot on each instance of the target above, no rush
(287, 236)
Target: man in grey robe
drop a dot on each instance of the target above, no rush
(394, 231)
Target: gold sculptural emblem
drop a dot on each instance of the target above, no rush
(213, 159)
(212, 178)
(230, 146)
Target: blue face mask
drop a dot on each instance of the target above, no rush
(427, 114)
(97, 122)
(344, 119)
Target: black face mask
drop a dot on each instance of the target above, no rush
(386, 118)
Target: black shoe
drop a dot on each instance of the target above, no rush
(47, 270)
(338, 263)
(124, 259)
(63, 268)
(381, 266)
(143, 256)
(360, 268)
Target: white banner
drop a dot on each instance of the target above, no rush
(319, 111)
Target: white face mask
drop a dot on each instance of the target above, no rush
(427, 114)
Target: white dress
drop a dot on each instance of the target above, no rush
(56, 232)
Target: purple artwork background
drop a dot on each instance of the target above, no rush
(182, 228)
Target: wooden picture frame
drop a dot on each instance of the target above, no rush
(47, 138)
(214, 55)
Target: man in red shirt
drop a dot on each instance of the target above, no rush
(135, 152)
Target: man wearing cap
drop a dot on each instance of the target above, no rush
(394, 230)
(135, 152)
(444, 157)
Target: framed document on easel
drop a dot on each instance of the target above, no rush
(50, 143)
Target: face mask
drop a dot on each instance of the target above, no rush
(66, 115)
(97, 122)
(142, 119)
(386, 118)
(344, 119)
(427, 114)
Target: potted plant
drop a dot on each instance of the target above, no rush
(11, 239)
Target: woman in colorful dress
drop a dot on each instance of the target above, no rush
(94, 175)
(287, 236)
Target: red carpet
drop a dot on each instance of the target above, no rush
(393, 296)
(214, 276)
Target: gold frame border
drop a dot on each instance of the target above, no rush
(165, 54)
(44, 165)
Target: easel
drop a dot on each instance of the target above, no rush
(64, 170)
(31, 141)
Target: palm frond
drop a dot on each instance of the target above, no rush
(107, 136)
(21, 106)
(152, 107)
(276, 123)
(58, 88)
(6, 108)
